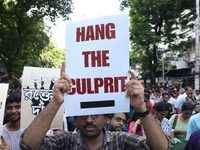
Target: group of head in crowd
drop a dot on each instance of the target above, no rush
(171, 108)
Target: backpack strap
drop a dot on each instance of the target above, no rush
(175, 121)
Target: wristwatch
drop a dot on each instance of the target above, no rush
(144, 114)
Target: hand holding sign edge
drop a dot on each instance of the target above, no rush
(135, 91)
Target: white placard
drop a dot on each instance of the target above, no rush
(3, 96)
(97, 60)
(37, 92)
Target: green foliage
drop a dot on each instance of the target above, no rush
(153, 22)
(52, 57)
(23, 34)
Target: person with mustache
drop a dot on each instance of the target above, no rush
(116, 122)
(91, 134)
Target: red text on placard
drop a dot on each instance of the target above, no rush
(96, 32)
(96, 58)
(92, 86)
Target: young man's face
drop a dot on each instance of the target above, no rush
(166, 98)
(197, 108)
(117, 123)
(189, 91)
(90, 126)
(13, 111)
(18, 89)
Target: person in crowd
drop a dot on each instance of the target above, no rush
(152, 96)
(157, 94)
(177, 92)
(196, 108)
(179, 124)
(147, 100)
(190, 99)
(172, 92)
(161, 110)
(193, 124)
(11, 131)
(91, 133)
(18, 89)
(194, 141)
(181, 97)
(170, 102)
(135, 125)
(197, 96)
(116, 122)
(187, 99)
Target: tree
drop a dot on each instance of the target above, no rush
(153, 22)
(52, 57)
(22, 29)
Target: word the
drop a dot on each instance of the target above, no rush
(98, 58)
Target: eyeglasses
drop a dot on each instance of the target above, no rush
(118, 119)
(93, 116)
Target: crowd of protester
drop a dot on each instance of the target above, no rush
(176, 111)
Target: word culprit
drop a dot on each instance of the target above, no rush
(98, 58)
(109, 84)
(96, 32)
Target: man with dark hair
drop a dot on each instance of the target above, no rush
(11, 131)
(90, 134)
(166, 98)
(181, 98)
(117, 122)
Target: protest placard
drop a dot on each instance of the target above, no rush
(3, 96)
(97, 60)
(37, 92)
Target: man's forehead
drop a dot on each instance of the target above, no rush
(14, 103)
(120, 115)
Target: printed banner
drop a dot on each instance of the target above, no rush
(3, 96)
(97, 60)
(37, 92)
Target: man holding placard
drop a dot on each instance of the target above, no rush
(91, 135)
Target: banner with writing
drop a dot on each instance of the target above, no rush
(97, 60)
(3, 96)
(37, 92)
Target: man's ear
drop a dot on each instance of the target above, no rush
(108, 120)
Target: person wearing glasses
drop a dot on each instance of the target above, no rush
(91, 134)
(161, 110)
(116, 122)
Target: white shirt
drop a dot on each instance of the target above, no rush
(181, 99)
(11, 137)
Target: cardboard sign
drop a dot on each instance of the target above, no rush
(37, 92)
(3, 96)
(97, 60)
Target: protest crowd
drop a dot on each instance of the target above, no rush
(162, 118)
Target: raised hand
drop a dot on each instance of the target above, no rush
(61, 85)
(135, 91)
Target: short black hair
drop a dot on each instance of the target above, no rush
(187, 106)
(147, 96)
(110, 116)
(15, 97)
(18, 85)
(163, 94)
(161, 106)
